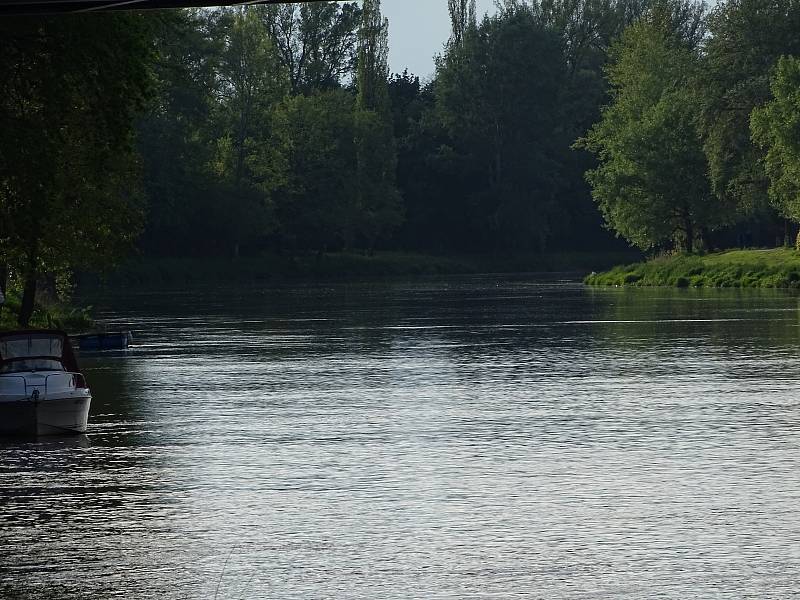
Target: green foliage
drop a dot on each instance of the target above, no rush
(499, 98)
(66, 154)
(651, 184)
(779, 268)
(250, 82)
(68, 187)
(776, 127)
(278, 129)
(316, 42)
(746, 39)
(373, 59)
(379, 204)
(477, 160)
(316, 204)
(272, 149)
(47, 314)
(463, 17)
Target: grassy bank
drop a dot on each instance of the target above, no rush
(47, 315)
(342, 267)
(775, 268)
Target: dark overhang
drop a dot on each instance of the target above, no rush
(44, 7)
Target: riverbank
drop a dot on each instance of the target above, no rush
(774, 268)
(50, 315)
(343, 267)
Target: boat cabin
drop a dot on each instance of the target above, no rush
(36, 350)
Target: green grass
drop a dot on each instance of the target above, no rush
(775, 268)
(342, 267)
(47, 316)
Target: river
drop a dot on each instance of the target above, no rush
(484, 437)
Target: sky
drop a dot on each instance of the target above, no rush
(418, 30)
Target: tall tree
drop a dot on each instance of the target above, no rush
(776, 127)
(315, 204)
(72, 87)
(380, 207)
(499, 96)
(251, 81)
(316, 42)
(746, 39)
(175, 137)
(651, 184)
(463, 16)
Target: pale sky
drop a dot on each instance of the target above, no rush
(418, 29)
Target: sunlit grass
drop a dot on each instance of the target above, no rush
(774, 268)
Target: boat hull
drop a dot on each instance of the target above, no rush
(64, 415)
(118, 340)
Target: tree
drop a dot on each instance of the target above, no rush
(316, 42)
(776, 128)
(72, 87)
(379, 202)
(651, 183)
(746, 39)
(251, 81)
(315, 205)
(175, 138)
(463, 16)
(499, 96)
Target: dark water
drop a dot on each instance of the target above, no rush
(472, 438)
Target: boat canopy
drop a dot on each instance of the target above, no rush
(37, 343)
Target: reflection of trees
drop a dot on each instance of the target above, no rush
(727, 319)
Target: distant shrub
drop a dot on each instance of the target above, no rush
(697, 281)
(631, 278)
(682, 282)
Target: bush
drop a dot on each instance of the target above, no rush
(630, 278)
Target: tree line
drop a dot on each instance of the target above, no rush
(699, 141)
(280, 129)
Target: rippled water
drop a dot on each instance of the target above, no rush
(469, 438)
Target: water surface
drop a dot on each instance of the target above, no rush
(467, 438)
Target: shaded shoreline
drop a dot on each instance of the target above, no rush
(341, 267)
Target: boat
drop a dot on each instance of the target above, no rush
(111, 340)
(42, 390)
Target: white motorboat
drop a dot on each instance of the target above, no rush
(42, 390)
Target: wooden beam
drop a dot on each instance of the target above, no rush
(46, 7)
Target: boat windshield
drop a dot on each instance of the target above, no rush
(16, 365)
(33, 345)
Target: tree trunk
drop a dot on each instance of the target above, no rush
(28, 300)
(688, 230)
(29, 292)
(498, 158)
(3, 279)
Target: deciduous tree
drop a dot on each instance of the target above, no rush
(651, 184)
(776, 128)
(379, 202)
(72, 88)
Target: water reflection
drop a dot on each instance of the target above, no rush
(465, 438)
